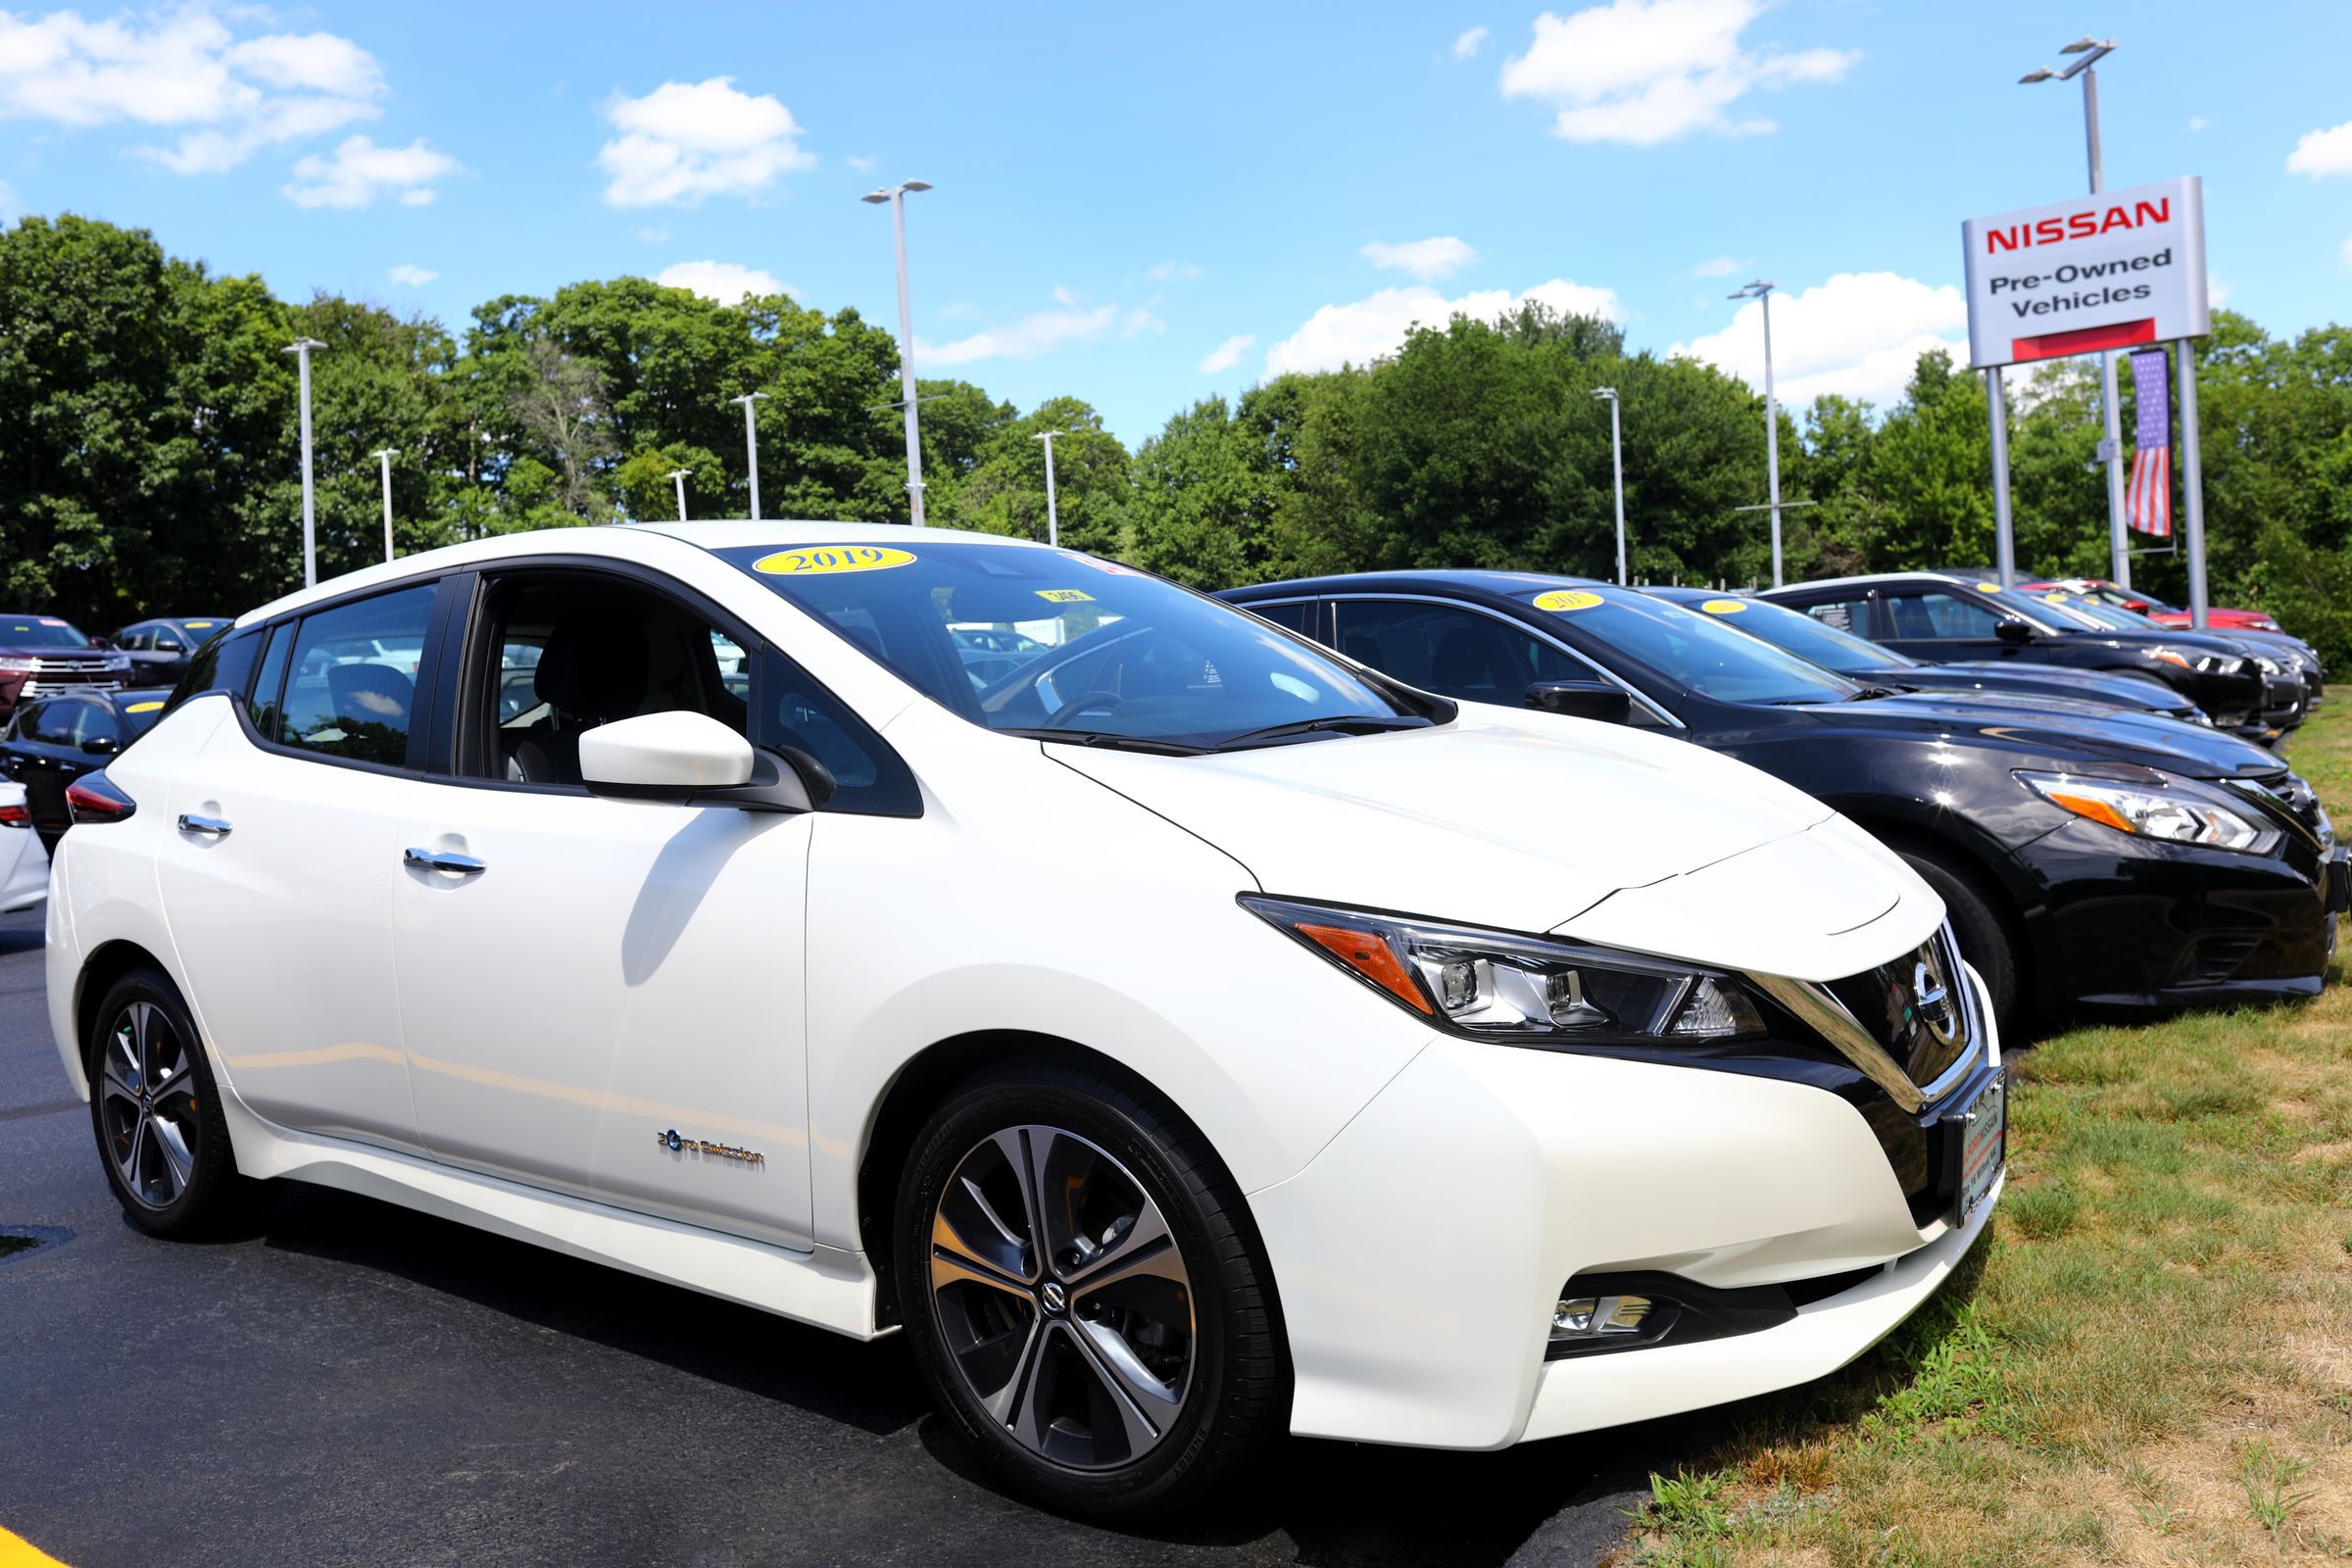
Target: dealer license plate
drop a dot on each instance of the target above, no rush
(1984, 1145)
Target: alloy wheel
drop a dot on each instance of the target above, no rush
(1062, 1297)
(147, 1104)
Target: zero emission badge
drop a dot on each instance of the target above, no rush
(823, 559)
(1567, 599)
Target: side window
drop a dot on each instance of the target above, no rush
(261, 704)
(51, 724)
(1457, 652)
(1847, 614)
(570, 651)
(96, 722)
(134, 639)
(350, 677)
(1292, 616)
(166, 641)
(1929, 615)
(223, 664)
(792, 710)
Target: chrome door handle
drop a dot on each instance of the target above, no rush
(209, 826)
(440, 860)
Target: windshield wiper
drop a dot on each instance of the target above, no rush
(1869, 692)
(1336, 724)
(1110, 740)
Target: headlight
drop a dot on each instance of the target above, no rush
(2175, 810)
(1521, 990)
(2202, 664)
(119, 664)
(20, 666)
(2268, 666)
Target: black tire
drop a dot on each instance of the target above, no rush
(152, 1101)
(1234, 1396)
(1983, 936)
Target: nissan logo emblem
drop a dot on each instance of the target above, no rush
(1931, 1003)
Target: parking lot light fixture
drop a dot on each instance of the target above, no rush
(679, 476)
(1760, 290)
(896, 196)
(751, 444)
(301, 349)
(1617, 469)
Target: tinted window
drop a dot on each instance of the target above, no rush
(1293, 616)
(134, 639)
(96, 722)
(1808, 637)
(1844, 615)
(165, 640)
(51, 724)
(39, 631)
(1101, 649)
(269, 685)
(225, 664)
(794, 711)
(351, 680)
(1926, 614)
(1455, 652)
(1693, 651)
(139, 716)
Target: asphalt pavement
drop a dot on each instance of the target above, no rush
(346, 1381)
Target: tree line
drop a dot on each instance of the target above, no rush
(148, 458)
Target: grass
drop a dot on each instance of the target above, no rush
(2148, 1359)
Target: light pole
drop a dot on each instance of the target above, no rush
(386, 457)
(679, 475)
(2111, 449)
(1761, 292)
(1616, 468)
(895, 195)
(751, 444)
(1053, 515)
(301, 350)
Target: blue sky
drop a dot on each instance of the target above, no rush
(1141, 206)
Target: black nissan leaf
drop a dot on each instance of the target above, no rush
(2091, 858)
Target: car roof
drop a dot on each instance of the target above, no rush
(1474, 583)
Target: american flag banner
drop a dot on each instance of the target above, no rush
(2148, 498)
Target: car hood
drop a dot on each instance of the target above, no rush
(2060, 731)
(2124, 690)
(1509, 819)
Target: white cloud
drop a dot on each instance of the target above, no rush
(2198, 122)
(2218, 290)
(1067, 322)
(1644, 72)
(1858, 335)
(653, 234)
(1467, 43)
(1228, 354)
(1715, 267)
(1441, 256)
(361, 170)
(1173, 271)
(2323, 152)
(723, 281)
(1138, 321)
(682, 142)
(2343, 256)
(864, 166)
(412, 276)
(7, 202)
(1368, 328)
(228, 97)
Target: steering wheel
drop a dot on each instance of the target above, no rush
(1070, 709)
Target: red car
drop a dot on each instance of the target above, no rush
(2217, 619)
(41, 656)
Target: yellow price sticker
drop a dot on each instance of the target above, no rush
(823, 559)
(143, 708)
(1724, 607)
(1567, 599)
(2053, 599)
(1065, 595)
(1989, 587)
(199, 625)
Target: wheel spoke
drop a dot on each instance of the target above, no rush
(951, 1266)
(1017, 1388)
(142, 1026)
(138, 1155)
(1147, 1248)
(968, 1224)
(179, 1160)
(123, 1061)
(1061, 1167)
(1132, 1393)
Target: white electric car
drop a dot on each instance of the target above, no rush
(1182, 1034)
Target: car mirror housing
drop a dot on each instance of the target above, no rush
(1582, 699)
(2014, 631)
(684, 759)
(102, 745)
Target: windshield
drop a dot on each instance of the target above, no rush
(1793, 632)
(2093, 612)
(39, 631)
(1055, 642)
(2034, 612)
(1696, 652)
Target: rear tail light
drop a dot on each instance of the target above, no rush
(95, 798)
(18, 816)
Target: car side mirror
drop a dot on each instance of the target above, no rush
(684, 759)
(1582, 699)
(2014, 631)
(107, 643)
(102, 745)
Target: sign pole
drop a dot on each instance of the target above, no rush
(2003, 533)
(2119, 542)
(2192, 482)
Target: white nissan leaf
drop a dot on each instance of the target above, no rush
(1180, 1032)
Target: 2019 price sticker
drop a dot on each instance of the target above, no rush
(823, 559)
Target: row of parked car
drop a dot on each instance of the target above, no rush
(1336, 944)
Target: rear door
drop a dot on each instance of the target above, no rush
(280, 877)
(1943, 626)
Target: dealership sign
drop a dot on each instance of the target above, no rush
(2107, 271)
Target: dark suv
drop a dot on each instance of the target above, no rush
(2090, 857)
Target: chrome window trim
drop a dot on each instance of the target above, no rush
(1816, 1007)
(1517, 625)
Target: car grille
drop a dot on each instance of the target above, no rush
(2292, 795)
(68, 673)
(1910, 1024)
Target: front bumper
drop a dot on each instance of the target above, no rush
(2129, 925)
(1419, 1253)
